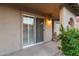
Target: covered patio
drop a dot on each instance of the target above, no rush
(42, 21)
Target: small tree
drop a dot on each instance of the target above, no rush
(69, 41)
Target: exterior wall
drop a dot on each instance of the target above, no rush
(9, 30)
(61, 16)
(65, 15)
(48, 31)
(77, 22)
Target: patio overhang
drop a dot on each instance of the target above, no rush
(42, 9)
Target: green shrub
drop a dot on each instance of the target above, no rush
(69, 41)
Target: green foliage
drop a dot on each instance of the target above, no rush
(69, 41)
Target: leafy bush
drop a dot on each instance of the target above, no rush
(69, 41)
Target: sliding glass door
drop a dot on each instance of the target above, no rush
(28, 31)
(32, 30)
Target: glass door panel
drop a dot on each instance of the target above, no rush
(28, 31)
(39, 29)
(31, 31)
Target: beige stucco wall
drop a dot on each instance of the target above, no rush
(65, 15)
(48, 30)
(9, 30)
(61, 16)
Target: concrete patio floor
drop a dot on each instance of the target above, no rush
(45, 49)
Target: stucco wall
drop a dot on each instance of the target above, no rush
(65, 15)
(9, 30)
(48, 30)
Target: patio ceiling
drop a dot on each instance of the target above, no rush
(52, 9)
(44, 9)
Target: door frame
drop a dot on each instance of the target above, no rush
(22, 30)
(26, 15)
